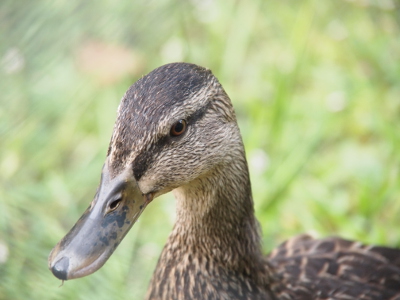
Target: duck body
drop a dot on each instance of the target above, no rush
(299, 269)
(176, 130)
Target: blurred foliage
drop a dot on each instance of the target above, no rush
(316, 89)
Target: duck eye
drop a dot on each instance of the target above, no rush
(178, 128)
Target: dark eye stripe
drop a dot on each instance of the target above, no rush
(145, 158)
(197, 115)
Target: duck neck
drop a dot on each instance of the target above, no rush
(215, 216)
(214, 247)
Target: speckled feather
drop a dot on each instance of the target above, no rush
(334, 268)
(214, 250)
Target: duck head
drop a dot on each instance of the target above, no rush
(174, 125)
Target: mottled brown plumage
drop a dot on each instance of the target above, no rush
(334, 268)
(214, 250)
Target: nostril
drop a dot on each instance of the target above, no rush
(113, 205)
(60, 268)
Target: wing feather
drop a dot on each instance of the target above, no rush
(335, 268)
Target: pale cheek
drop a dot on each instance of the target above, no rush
(146, 185)
(161, 179)
(178, 167)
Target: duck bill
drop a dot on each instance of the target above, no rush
(116, 206)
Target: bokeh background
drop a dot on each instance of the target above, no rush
(316, 89)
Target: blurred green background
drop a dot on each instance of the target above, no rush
(316, 89)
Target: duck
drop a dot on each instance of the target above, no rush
(176, 130)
